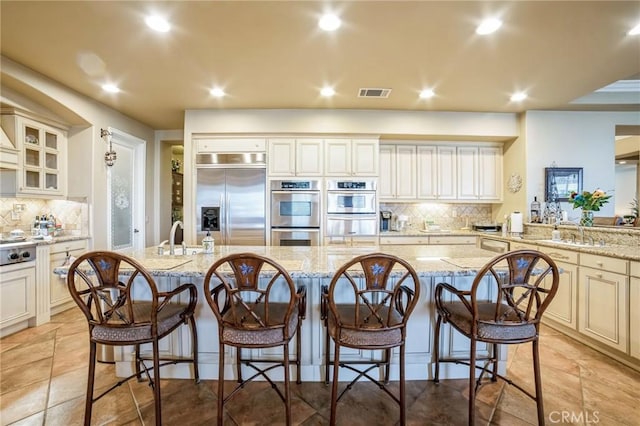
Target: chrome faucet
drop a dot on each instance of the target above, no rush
(161, 247)
(172, 237)
(581, 231)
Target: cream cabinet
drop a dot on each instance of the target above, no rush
(563, 309)
(602, 300)
(479, 175)
(17, 296)
(428, 239)
(447, 173)
(427, 177)
(42, 158)
(634, 309)
(351, 157)
(397, 172)
(59, 253)
(230, 145)
(295, 157)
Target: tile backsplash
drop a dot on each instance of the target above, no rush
(448, 216)
(19, 213)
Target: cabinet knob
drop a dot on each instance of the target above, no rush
(599, 275)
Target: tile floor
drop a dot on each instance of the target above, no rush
(43, 380)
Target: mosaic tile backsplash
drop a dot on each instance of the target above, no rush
(19, 213)
(447, 216)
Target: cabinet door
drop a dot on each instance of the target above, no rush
(17, 295)
(406, 172)
(43, 159)
(364, 157)
(309, 157)
(387, 181)
(58, 292)
(282, 161)
(634, 317)
(490, 173)
(427, 173)
(602, 307)
(467, 163)
(563, 307)
(447, 172)
(337, 161)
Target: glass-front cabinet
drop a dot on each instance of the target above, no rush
(42, 154)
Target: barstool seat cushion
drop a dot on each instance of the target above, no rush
(511, 327)
(118, 329)
(370, 332)
(252, 332)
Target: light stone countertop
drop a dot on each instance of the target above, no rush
(320, 261)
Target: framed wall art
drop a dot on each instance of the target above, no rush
(563, 181)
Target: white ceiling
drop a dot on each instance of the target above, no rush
(271, 55)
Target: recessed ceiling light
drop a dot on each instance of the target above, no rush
(327, 91)
(217, 92)
(517, 97)
(158, 23)
(329, 22)
(427, 93)
(488, 26)
(111, 88)
(635, 30)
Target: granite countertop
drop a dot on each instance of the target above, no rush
(320, 261)
(422, 233)
(60, 239)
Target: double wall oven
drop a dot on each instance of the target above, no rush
(295, 212)
(351, 208)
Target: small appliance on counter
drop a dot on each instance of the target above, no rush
(385, 220)
(517, 227)
(487, 227)
(402, 221)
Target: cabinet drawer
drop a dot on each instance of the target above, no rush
(452, 239)
(634, 268)
(403, 240)
(560, 255)
(522, 246)
(604, 263)
(68, 246)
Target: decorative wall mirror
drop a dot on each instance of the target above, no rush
(563, 180)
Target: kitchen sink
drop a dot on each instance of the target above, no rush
(573, 244)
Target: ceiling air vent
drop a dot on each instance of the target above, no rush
(370, 92)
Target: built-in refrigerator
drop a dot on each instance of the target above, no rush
(230, 202)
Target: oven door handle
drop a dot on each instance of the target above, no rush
(295, 192)
(354, 216)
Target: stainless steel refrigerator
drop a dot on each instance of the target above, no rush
(230, 203)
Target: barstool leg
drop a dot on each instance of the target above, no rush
(298, 354)
(327, 346)
(194, 339)
(436, 350)
(538, 382)
(472, 383)
(403, 404)
(287, 394)
(220, 383)
(88, 405)
(334, 385)
(156, 382)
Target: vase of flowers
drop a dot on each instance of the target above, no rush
(589, 202)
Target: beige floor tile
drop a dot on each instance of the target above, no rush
(27, 353)
(14, 378)
(23, 402)
(33, 420)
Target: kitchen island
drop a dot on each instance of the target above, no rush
(313, 267)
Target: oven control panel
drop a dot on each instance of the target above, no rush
(10, 255)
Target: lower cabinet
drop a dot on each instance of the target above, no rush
(602, 303)
(59, 298)
(634, 310)
(564, 306)
(428, 239)
(17, 295)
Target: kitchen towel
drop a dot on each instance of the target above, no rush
(516, 223)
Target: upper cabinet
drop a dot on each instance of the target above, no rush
(351, 157)
(295, 157)
(42, 156)
(397, 172)
(451, 172)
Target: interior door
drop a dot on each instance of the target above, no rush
(125, 190)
